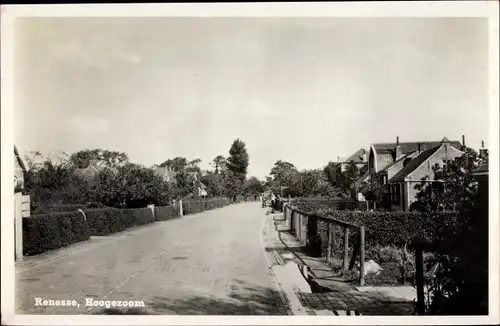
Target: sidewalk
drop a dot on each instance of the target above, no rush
(327, 293)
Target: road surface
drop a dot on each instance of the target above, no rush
(210, 263)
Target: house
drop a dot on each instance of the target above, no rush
(359, 187)
(359, 158)
(481, 173)
(399, 166)
(402, 186)
(92, 171)
(166, 173)
(20, 169)
(200, 187)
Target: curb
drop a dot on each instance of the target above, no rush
(286, 295)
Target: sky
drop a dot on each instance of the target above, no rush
(304, 90)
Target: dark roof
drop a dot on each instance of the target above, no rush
(19, 159)
(413, 146)
(483, 168)
(357, 157)
(414, 164)
(362, 179)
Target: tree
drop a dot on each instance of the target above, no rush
(453, 185)
(238, 160)
(83, 158)
(461, 283)
(132, 187)
(283, 174)
(330, 172)
(350, 176)
(214, 183)
(233, 185)
(194, 163)
(253, 186)
(177, 164)
(311, 183)
(184, 185)
(219, 162)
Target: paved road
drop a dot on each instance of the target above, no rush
(210, 263)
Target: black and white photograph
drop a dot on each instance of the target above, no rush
(321, 163)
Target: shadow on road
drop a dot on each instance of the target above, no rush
(242, 299)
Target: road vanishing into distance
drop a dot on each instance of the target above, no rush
(211, 263)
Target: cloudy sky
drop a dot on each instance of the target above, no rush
(305, 90)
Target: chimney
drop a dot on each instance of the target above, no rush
(463, 140)
(397, 150)
(483, 152)
(338, 159)
(419, 147)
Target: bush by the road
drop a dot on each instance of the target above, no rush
(107, 221)
(51, 231)
(45, 232)
(163, 213)
(197, 206)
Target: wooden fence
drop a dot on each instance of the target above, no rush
(300, 222)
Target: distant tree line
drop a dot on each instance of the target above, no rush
(54, 179)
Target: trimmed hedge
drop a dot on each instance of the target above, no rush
(315, 204)
(107, 221)
(163, 213)
(44, 232)
(193, 207)
(396, 228)
(51, 231)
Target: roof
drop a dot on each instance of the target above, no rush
(413, 146)
(358, 157)
(482, 169)
(414, 164)
(19, 159)
(164, 171)
(362, 179)
(92, 171)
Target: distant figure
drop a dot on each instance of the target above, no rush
(273, 200)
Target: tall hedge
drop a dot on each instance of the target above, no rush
(396, 228)
(51, 231)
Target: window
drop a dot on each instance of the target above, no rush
(395, 193)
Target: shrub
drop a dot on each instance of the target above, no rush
(197, 206)
(52, 231)
(396, 228)
(110, 220)
(163, 213)
(38, 209)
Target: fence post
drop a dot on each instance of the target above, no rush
(362, 255)
(18, 226)
(329, 248)
(420, 280)
(152, 208)
(180, 208)
(346, 248)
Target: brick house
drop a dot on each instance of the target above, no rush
(397, 165)
(20, 169)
